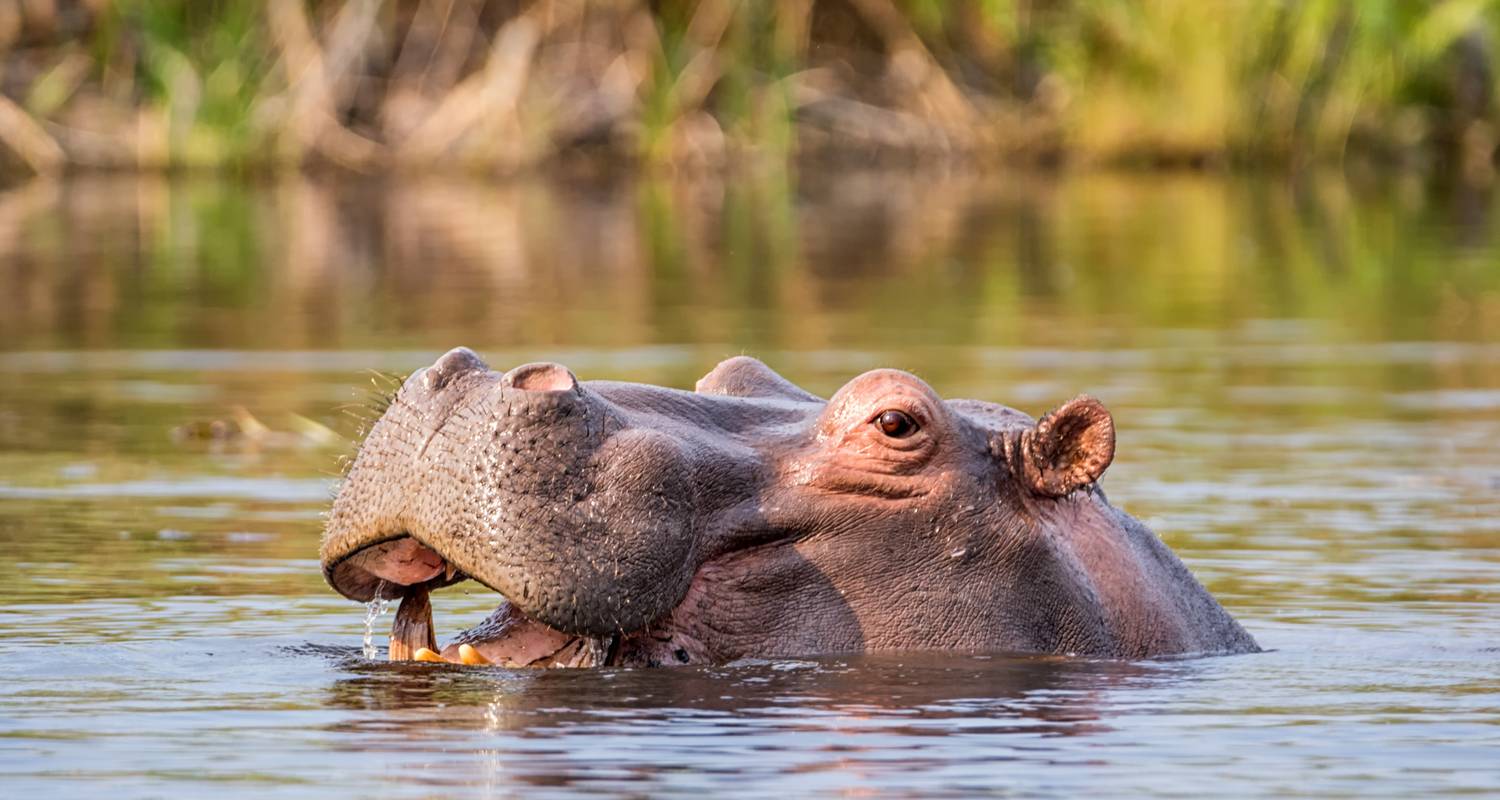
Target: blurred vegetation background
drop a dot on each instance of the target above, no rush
(500, 85)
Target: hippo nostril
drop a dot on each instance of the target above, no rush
(541, 377)
(455, 362)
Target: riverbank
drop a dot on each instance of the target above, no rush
(482, 86)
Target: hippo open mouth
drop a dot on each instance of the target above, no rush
(408, 570)
(630, 524)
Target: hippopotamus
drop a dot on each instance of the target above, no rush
(635, 525)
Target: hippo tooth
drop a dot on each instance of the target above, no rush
(449, 571)
(412, 629)
(425, 654)
(468, 655)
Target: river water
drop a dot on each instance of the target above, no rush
(1305, 378)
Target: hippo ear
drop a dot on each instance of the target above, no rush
(1068, 448)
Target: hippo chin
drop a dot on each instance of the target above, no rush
(635, 525)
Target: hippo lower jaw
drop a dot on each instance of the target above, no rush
(508, 637)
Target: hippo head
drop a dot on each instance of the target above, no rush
(632, 524)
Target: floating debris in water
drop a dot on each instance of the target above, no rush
(243, 430)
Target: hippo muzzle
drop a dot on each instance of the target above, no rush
(527, 482)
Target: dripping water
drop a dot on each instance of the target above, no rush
(374, 610)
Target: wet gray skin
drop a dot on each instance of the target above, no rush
(639, 525)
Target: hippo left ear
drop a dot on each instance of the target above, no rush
(1068, 448)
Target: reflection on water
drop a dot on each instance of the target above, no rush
(1306, 379)
(864, 261)
(871, 715)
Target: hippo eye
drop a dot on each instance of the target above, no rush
(896, 424)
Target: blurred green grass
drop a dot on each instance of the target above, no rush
(491, 85)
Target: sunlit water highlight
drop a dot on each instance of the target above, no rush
(1306, 382)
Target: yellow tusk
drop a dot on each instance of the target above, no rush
(424, 654)
(468, 655)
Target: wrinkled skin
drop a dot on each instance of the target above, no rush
(633, 524)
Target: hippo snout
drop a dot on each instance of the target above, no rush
(527, 482)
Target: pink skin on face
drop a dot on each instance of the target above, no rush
(404, 561)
